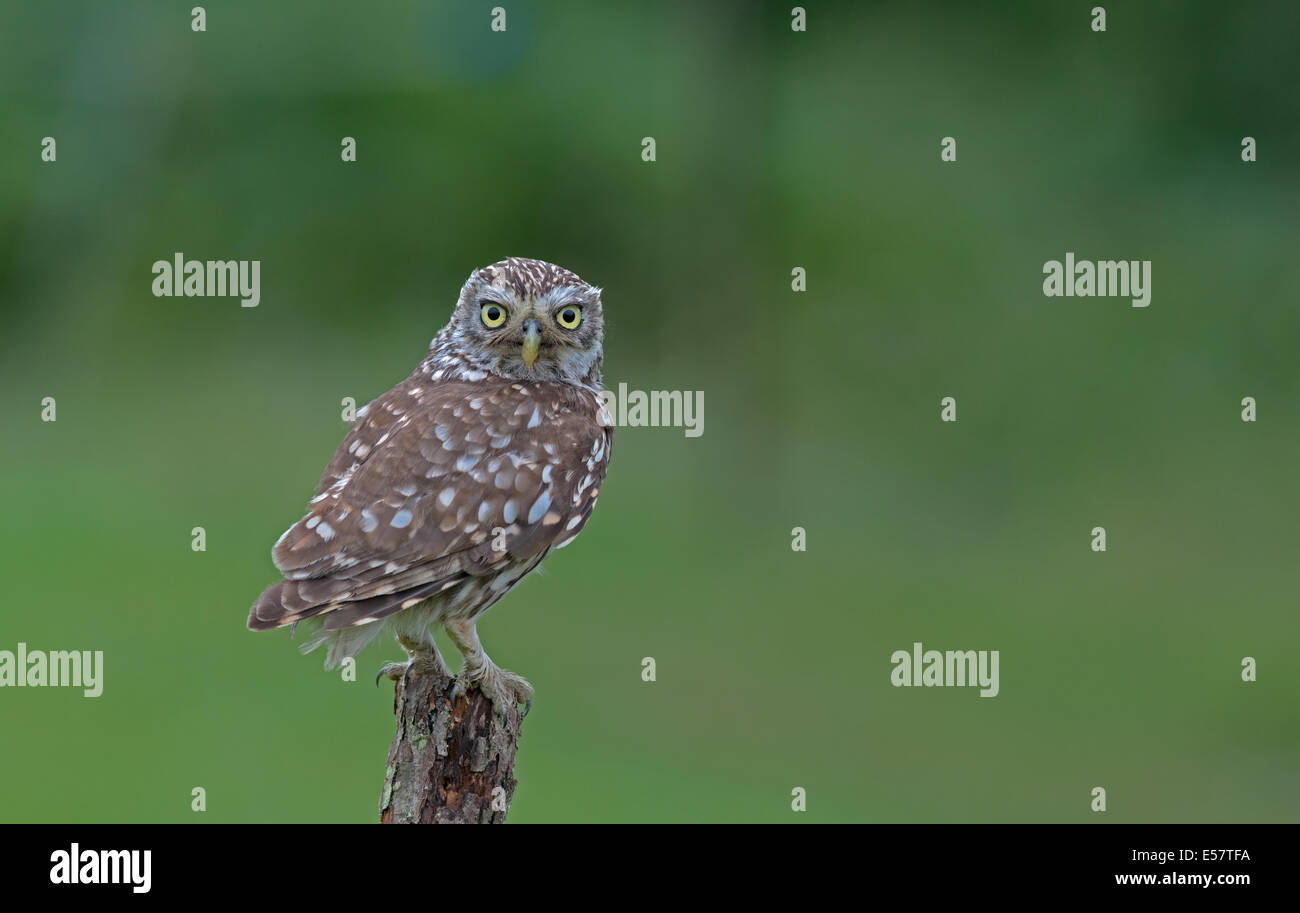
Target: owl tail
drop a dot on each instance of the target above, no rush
(291, 601)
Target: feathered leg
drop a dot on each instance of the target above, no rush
(501, 686)
(422, 658)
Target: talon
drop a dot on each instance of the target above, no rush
(457, 692)
(528, 705)
(389, 671)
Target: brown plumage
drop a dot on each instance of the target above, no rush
(456, 483)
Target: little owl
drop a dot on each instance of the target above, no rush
(455, 484)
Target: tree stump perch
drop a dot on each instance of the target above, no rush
(448, 764)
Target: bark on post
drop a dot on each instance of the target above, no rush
(448, 764)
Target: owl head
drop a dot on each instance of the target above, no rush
(530, 320)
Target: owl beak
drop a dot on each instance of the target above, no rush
(532, 342)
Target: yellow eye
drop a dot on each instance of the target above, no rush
(492, 314)
(569, 316)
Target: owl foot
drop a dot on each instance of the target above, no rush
(500, 686)
(418, 664)
(393, 671)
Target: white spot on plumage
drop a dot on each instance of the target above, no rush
(325, 531)
(401, 519)
(368, 522)
(510, 511)
(446, 495)
(540, 506)
(535, 419)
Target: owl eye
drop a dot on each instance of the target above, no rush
(492, 314)
(569, 317)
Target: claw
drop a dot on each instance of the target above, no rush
(528, 705)
(389, 671)
(457, 692)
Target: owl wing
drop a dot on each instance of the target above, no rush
(436, 483)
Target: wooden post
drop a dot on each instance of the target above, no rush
(448, 764)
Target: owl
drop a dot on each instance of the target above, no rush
(457, 483)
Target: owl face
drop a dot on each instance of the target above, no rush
(531, 320)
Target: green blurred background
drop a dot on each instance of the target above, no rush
(775, 149)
